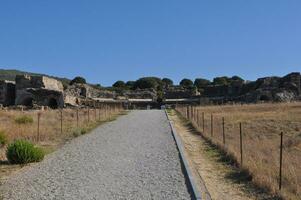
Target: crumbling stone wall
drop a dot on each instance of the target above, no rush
(39, 90)
(272, 88)
(141, 94)
(7, 93)
(177, 92)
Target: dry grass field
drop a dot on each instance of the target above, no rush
(51, 131)
(261, 128)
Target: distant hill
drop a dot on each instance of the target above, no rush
(10, 74)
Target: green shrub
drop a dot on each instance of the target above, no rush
(22, 152)
(76, 132)
(3, 139)
(79, 131)
(25, 119)
(83, 131)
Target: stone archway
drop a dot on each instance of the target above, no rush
(264, 98)
(27, 102)
(52, 103)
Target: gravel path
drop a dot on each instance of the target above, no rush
(133, 157)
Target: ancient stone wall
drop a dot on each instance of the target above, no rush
(7, 93)
(39, 90)
(26, 81)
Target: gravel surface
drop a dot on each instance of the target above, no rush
(134, 157)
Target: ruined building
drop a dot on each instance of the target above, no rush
(7, 92)
(273, 88)
(45, 91)
(38, 90)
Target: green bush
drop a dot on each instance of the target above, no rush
(3, 139)
(76, 132)
(79, 131)
(25, 119)
(22, 152)
(83, 131)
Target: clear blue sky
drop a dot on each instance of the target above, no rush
(126, 39)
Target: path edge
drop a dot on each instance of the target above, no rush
(193, 186)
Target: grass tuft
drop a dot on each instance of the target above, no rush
(3, 139)
(25, 119)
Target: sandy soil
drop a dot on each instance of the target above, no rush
(212, 173)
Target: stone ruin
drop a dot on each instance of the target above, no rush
(279, 89)
(34, 91)
(38, 90)
(7, 92)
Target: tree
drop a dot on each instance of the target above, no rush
(148, 82)
(186, 83)
(130, 84)
(119, 84)
(223, 80)
(200, 82)
(237, 78)
(78, 79)
(167, 82)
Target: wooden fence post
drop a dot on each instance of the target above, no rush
(203, 116)
(197, 118)
(61, 121)
(187, 112)
(88, 114)
(211, 125)
(240, 141)
(38, 133)
(224, 138)
(98, 114)
(77, 118)
(280, 161)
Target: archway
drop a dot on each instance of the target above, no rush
(28, 102)
(264, 98)
(52, 103)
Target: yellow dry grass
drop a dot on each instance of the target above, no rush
(50, 133)
(261, 128)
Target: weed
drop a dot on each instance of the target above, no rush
(25, 119)
(3, 139)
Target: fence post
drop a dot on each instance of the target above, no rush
(280, 163)
(198, 118)
(240, 141)
(95, 114)
(38, 133)
(187, 112)
(203, 116)
(77, 117)
(211, 125)
(61, 121)
(88, 114)
(98, 114)
(224, 138)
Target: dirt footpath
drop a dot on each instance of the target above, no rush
(204, 164)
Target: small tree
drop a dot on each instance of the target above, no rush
(200, 82)
(78, 79)
(147, 83)
(130, 84)
(119, 84)
(167, 82)
(186, 83)
(223, 80)
(237, 79)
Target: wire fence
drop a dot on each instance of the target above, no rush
(257, 141)
(48, 125)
